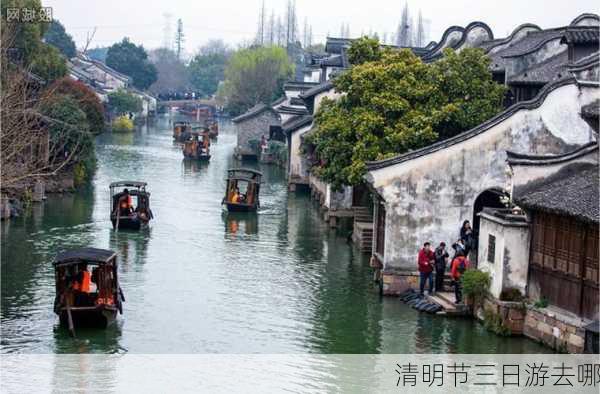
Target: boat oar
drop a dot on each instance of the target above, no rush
(70, 320)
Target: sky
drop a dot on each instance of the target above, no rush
(235, 21)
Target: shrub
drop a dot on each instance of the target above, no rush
(122, 124)
(88, 101)
(123, 102)
(279, 151)
(541, 303)
(69, 131)
(512, 294)
(475, 285)
(493, 322)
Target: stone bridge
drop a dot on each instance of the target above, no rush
(190, 103)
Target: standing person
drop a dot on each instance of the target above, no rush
(459, 265)
(425, 261)
(441, 259)
(466, 235)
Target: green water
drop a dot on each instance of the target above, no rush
(201, 281)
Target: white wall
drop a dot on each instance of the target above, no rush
(298, 166)
(511, 258)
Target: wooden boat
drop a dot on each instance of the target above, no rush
(242, 192)
(197, 146)
(87, 288)
(181, 130)
(124, 214)
(213, 129)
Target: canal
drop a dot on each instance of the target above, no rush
(201, 281)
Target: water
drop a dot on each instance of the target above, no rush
(202, 281)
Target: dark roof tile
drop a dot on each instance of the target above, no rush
(572, 191)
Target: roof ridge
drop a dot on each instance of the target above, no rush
(523, 158)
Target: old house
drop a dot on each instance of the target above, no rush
(252, 126)
(298, 166)
(425, 195)
(547, 246)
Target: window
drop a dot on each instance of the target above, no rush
(491, 249)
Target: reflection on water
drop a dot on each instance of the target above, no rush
(243, 223)
(201, 280)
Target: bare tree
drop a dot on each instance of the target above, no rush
(271, 29)
(280, 32)
(27, 151)
(420, 38)
(179, 38)
(403, 34)
(260, 33)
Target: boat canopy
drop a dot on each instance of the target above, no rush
(89, 255)
(244, 173)
(137, 184)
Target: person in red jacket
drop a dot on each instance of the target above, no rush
(425, 261)
(459, 265)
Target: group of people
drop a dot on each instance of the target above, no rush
(433, 263)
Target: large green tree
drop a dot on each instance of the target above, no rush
(255, 75)
(132, 60)
(207, 68)
(59, 38)
(392, 102)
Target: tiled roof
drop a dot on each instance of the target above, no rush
(549, 70)
(288, 109)
(581, 35)
(592, 110)
(531, 42)
(297, 85)
(332, 61)
(573, 191)
(322, 87)
(252, 112)
(296, 123)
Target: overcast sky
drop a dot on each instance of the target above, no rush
(234, 21)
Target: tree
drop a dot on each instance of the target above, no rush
(58, 37)
(395, 103)
(404, 33)
(207, 68)
(420, 38)
(179, 38)
(69, 129)
(255, 75)
(26, 37)
(132, 60)
(86, 99)
(260, 32)
(48, 63)
(123, 102)
(172, 74)
(98, 53)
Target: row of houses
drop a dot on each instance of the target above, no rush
(104, 80)
(527, 179)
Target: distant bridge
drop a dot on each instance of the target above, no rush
(188, 103)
